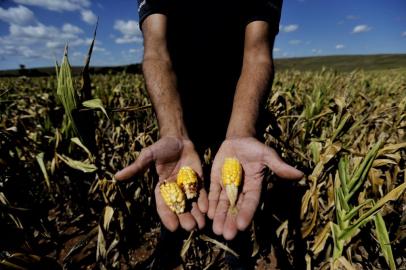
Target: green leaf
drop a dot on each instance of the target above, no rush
(340, 127)
(95, 104)
(391, 196)
(65, 90)
(315, 148)
(343, 201)
(342, 173)
(355, 210)
(362, 170)
(338, 243)
(383, 238)
(78, 165)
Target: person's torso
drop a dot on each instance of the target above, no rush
(206, 42)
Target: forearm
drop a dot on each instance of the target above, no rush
(255, 80)
(251, 92)
(161, 85)
(161, 79)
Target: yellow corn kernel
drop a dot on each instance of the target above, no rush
(187, 181)
(231, 175)
(173, 196)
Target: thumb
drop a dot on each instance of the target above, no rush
(138, 166)
(279, 167)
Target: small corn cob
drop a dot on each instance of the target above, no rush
(173, 196)
(187, 181)
(231, 175)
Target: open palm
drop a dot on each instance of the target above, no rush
(169, 154)
(254, 156)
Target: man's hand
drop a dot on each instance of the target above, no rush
(254, 156)
(169, 155)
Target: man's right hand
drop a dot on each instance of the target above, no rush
(169, 154)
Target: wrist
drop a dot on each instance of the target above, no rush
(178, 131)
(240, 131)
(172, 125)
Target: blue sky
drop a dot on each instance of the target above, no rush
(33, 32)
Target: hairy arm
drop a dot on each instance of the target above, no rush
(173, 150)
(254, 82)
(161, 79)
(252, 88)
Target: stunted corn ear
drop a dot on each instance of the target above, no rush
(231, 175)
(187, 181)
(173, 196)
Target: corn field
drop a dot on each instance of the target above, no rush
(64, 137)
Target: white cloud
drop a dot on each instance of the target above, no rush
(17, 15)
(130, 31)
(88, 16)
(403, 34)
(53, 44)
(361, 28)
(317, 51)
(340, 46)
(129, 28)
(136, 50)
(57, 5)
(275, 50)
(72, 29)
(295, 42)
(28, 52)
(41, 32)
(99, 49)
(290, 28)
(80, 42)
(126, 39)
(39, 40)
(34, 32)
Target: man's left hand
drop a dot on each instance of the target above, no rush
(254, 156)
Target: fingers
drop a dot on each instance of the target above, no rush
(220, 214)
(198, 216)
(215, 189)
(279, 167)
(214, 195)
(249, 203)
(202, 201)
(171, 221)
(169, 218)
(138, 166)
(230, 228)
(187, 221)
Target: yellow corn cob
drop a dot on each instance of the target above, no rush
(187, 181)
(173, 196)
(231, 175)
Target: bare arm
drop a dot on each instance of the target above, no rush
(255, 80)
(252, 89)
(173, 150)
(160, 78)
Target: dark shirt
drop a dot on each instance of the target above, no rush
(206, 42)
